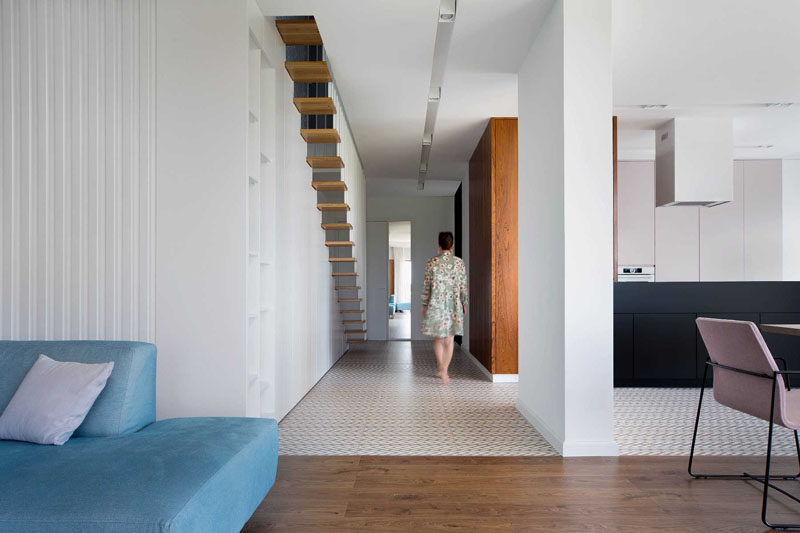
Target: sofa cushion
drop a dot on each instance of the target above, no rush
(128, 401)
(53, 400)
(183, 474)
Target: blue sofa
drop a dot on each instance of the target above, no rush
(122, 470)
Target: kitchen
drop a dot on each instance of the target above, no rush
(706, 226)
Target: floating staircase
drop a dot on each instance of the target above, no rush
(307, 66)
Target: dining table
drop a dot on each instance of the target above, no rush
(782, 329)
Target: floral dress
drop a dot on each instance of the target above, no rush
(444, 295)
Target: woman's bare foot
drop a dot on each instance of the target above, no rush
(445, 379)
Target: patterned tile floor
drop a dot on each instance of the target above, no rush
(383, 399)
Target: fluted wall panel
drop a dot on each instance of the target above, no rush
(77, 158)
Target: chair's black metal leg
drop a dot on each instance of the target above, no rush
(729, 476)
(697, 422)
(766, 481)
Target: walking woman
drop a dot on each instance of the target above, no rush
(444, 302)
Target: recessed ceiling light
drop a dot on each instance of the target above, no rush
(447, 11)
(653, 106)
(779, 104)
(756, 146)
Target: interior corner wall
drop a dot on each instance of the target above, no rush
(428, 215)
(201, 127)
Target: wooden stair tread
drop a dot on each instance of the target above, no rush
(315, 105)
(336, 274)
(336, 225)
(356, 341)
(355, 332)
(342, 259)
(339, 243)
(299, 32)
(352, 311)
(333, 185)
(325, 161)
(333, 207)
(320, 136)
(344, 300)
(354, 321)
(308, 71)
(348, 288)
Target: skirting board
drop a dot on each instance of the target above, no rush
(497, 378)
(570, 448)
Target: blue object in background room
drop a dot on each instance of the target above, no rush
(122, 471)
(392, 306)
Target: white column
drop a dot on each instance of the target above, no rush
(565, 230)
(201, 142)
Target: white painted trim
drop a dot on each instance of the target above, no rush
(540, 426)
(505, 378)
(590, 448)
(496, 378)
(569, 448)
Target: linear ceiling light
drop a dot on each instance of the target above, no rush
(447, 11)
(435, 94)
(427, 140)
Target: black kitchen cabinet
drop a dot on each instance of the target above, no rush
(623, 349)
(665, 347)
(656, 342)
(786, 346)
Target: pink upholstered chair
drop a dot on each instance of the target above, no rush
(747, 379)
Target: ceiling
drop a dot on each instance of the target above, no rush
(709, 57)
(720, 57)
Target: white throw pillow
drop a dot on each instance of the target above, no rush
(52, 400)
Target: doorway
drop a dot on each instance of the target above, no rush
(399, 276)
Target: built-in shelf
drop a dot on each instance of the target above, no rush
(253, 117)
(265, 158)
(253, 181)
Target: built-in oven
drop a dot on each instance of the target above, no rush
(645, 273)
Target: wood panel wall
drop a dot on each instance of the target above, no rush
(493, 248)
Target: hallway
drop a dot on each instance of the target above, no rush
(382, 398)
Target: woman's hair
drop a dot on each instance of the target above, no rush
(445, 240)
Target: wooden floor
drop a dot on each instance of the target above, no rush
(513, 494)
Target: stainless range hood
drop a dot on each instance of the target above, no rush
(694, 162)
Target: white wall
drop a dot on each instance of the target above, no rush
(677, 244)
(76, 160)
(763, 239)
(565, 230)
(721, 235)
(791, 219)
(201, 129)
(428, 215)
(636, 212)
(737, 241)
